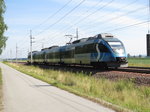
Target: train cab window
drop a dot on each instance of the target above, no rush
(103, 48)
(117, 47)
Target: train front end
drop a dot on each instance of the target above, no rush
(118, 52)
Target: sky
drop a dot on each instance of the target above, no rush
(51, 20)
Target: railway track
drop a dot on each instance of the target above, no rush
(139, 75)
(144, 70)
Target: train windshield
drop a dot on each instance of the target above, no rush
(117, 47)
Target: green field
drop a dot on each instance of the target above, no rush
(139, 62)
(123, 93)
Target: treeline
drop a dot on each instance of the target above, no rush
(3, 26)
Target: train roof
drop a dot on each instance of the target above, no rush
(104, 36)
(49, 48)
(80, 40)
(44, 49)
(107, 37)
(53, 47)
(32, 52)
(111, 39)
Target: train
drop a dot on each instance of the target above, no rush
(102, 50)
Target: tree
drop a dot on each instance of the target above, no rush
(129, 55)
(140, 55)
(3, 26)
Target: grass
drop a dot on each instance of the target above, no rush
(123, 93)
(139, 62)
(1, 105)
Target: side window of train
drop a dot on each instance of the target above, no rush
(78, 50)
(103, 48)
(87, 48)
(90, 48)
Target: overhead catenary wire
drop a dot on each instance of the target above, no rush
(127, 26)
(134, 1)
(96, 4)
(62, 17)
(139, 24)
(144, 22)
(81, 2)
(51, 16)
(85, 18)
(103, 7)
(82, 19)
(56, 22)
(121, 8)
(68, 28)
(123, 22)
(108, 20)
(118, 17)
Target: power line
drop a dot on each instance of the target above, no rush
(129, 26)
(124, 21)
(143, 23)
(61, 18)
(122, 15)
(85, 18)
(121, 28)
(21, 41)
(134, 1)
(111, 19)
(96, 4)
(123, 7)
(51, 16)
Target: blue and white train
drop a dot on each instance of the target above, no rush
(102, 50)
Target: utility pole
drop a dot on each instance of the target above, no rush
(11, 55)
(148, 35)
(16, 52)
(42, 45)
(77, 35)
(31, 45)
(149, 17)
